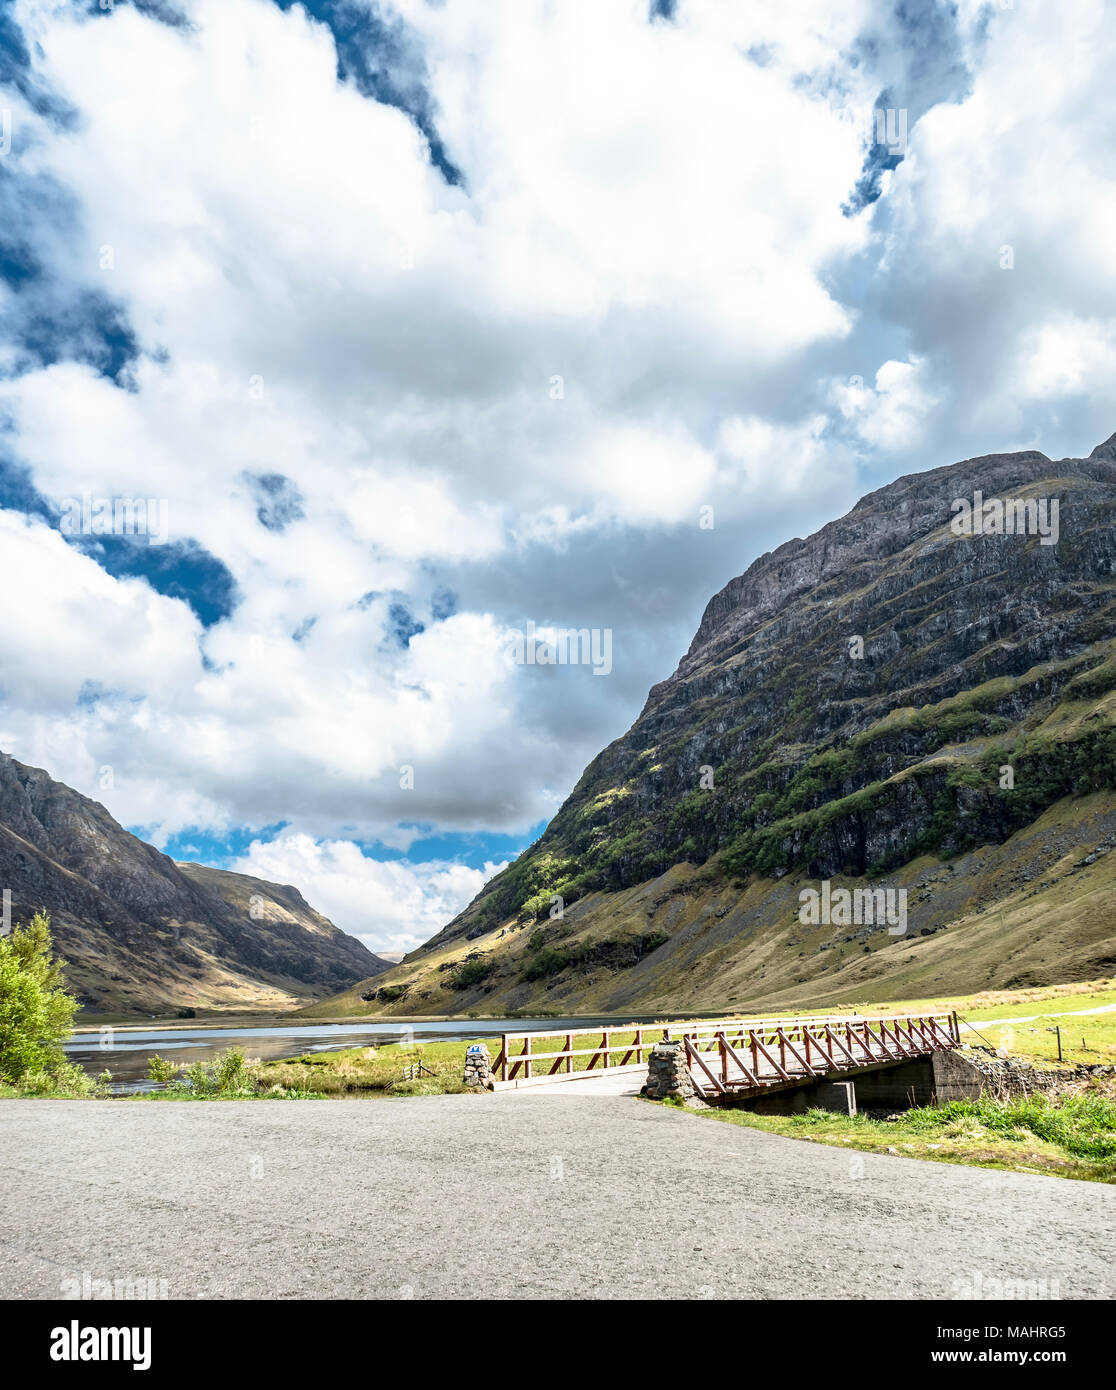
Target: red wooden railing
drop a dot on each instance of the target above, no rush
(727, 1054)
(747, 1055)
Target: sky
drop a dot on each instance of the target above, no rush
(420, 321)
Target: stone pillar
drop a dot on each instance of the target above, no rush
(667, 1072)
(478, 1066)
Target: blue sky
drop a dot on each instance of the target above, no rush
(422, 322)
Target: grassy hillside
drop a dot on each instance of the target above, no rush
(1031, 912)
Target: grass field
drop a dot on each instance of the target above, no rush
(1071, 1134)
(382, 1071)
(1003, 1003)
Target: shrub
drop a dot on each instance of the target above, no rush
(36, 1013)
(225, 1074)
(159, 1069)
(472, 972)
(66, 1080)
(546, 962)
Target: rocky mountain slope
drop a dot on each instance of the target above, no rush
(144, 934)
(890, 703)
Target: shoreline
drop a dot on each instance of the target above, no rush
(372, 1020)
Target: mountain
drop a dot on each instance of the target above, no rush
(891, 703)
(143, 934)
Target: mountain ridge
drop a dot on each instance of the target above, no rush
(142, 933)
(976, 652)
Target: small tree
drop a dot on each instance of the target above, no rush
(36, 1013)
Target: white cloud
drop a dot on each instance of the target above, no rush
(1001, 264)
(391, 905)
(653, 214)
(1067, 356)
(893, 415)
(325, 307)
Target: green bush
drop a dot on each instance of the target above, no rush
(546, 962)
(36, 1013)
(225, 1074)
(471, 973)
(66, 1080)
(159, 1069)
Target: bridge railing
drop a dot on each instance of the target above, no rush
(532, 1056)
(538, 1055)
(753, 1053)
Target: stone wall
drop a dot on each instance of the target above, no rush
(960, 1075)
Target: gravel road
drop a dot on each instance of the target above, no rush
(512, 1195)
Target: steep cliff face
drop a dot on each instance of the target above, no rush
(892, 691)
(143, 933)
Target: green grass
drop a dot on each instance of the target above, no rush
(372, 1071)
(1069, 1134)
(1087, 1039)
(181, 1093)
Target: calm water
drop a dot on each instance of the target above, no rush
(125, 1053)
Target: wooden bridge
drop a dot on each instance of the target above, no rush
(746, 1057)
(740, 1057)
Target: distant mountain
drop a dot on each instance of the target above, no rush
(900, 700)
(144, 934)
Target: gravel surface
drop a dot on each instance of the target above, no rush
(511, 1195)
